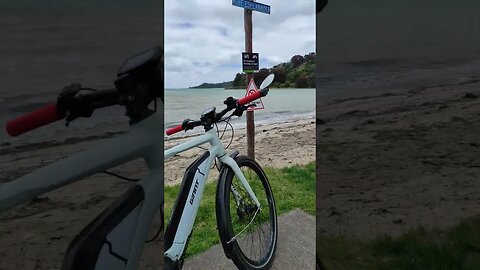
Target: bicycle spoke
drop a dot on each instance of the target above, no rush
(260, 242)
(244, 229)
(252, 246)
(252, 226)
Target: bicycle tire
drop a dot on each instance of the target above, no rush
(261, 187)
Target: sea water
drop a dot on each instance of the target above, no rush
(280, 105)
(372, 47)
(46, 45)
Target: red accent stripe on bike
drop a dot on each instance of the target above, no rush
(33, 120)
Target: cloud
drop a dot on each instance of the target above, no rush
(204, 39)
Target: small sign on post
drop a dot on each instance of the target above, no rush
(256, 104)
(249, 62)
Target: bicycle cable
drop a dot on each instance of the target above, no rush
(122, 177)
(233, 133)
(227, 123)
(161, 210)
(89, 89)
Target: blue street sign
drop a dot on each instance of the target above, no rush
(252, 5)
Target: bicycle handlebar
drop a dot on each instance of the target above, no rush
(174, 130)
(69, 105)
(252, 97)
(40, 117)
(187, 124)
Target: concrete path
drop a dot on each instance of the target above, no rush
(295, 247)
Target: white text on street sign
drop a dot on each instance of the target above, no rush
(252, 5)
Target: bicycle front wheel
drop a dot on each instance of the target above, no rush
(248, 233)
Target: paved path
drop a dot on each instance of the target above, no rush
(295, 249)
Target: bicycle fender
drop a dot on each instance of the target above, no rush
(219, 202)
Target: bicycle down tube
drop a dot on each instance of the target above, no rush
(184, 219)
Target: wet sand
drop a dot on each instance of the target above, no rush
(393, 161)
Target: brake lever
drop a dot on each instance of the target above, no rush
(70, 105)
(239, 110)
(80, 110)
(231, 103)
(186, 124)
(189, 124)
(66, 98)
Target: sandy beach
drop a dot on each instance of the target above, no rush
(36, 234)
(276, 145)
(393, 161)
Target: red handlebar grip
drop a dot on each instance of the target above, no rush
(174, 130)
(249, 98)
(33, 120)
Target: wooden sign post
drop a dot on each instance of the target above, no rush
(249, 7)
(247, 18)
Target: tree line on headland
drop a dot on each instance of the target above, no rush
(298, 73)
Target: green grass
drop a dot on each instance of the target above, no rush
(452, 249)
(293, 187)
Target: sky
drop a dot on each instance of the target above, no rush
(204, 39)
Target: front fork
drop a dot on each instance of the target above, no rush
(227, 160)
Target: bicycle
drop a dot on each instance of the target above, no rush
(236, 200)
(115, 238)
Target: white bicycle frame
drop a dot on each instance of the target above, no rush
(144, 140)
(189, 213)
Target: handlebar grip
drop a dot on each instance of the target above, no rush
(253, 97)
(174, 130)
(33, 120)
